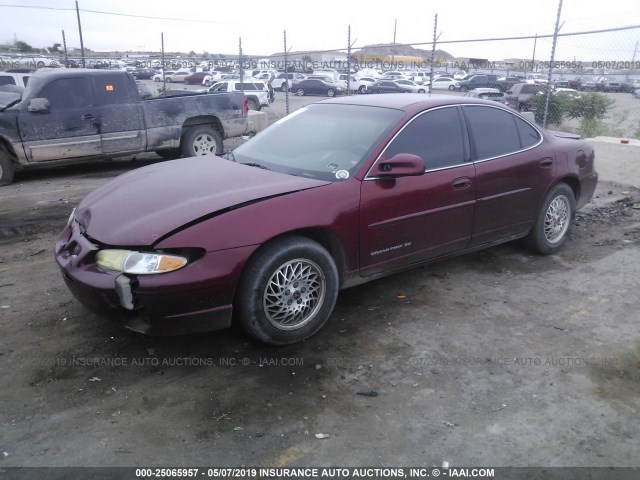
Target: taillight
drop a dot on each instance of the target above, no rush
(245, 105)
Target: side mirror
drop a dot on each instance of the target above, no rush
(400, 165)
(38, 105)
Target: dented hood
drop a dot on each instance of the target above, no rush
(139, 207)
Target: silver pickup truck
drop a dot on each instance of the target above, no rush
(74, 115)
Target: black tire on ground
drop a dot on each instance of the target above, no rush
(554, 221)
(7, 169)
(452, 87)
(421, 90)
(201, 140)
(464, 88)
(361, 89)
(331, 92)
(300, 92)
(253, 104)
(156, 79)
(168, 80)
(287, 291)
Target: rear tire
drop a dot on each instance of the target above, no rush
(287, 291)
(201, 140)
(554, 222)
(452, 87)
(331, 92)
(253, 104)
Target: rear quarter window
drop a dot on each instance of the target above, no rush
(492, 131)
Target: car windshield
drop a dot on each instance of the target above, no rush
(322, 141)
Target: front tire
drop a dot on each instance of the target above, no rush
(554, 222)
(7, 169)
(202, 140)
(287, 291)
(300, 92)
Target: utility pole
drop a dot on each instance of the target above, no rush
(633, 60)
(64, 45)
(80, 31)
(393, 49)
(533, 57)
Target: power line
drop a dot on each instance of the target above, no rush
(99, 12)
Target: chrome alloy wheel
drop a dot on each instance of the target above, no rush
(294, 294)
(556, 219)
(204, 144)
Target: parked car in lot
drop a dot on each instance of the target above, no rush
(412, 86)
(342, 192)
(284, 80)
(196, 78)
(520, 95)
(255, 91)
(636, 93)
(314, 86)
(483, 81)
(76, 115)
(387, 86)
(15, 78)
(444, 83)
(158, 77)
(143, 73)
(537, 78)
(628, 87)
(492, 94)
(177, 77)
(361, 84)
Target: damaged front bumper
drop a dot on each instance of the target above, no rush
(195, 298)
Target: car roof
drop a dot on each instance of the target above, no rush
(402, 101)
(63, 72)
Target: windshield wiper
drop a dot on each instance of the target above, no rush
(2, 109)
(256, 165)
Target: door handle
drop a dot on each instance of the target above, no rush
(461, 183)
(88, 116)
(546, 162)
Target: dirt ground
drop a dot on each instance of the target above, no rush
(498, 358)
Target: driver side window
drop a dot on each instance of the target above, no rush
(435, 136)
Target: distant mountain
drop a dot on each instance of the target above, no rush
(403, 50)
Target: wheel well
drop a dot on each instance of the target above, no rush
(329, 241)
(203, 120)
(574, 184)
(5, 147)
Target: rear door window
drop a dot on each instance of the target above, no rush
(492, 131)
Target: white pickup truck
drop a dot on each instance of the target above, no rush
(255, 91)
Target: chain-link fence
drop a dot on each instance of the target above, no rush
(581, 82)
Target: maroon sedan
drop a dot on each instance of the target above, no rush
(195, 78)
(336, 194)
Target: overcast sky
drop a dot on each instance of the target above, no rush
(215, 26)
